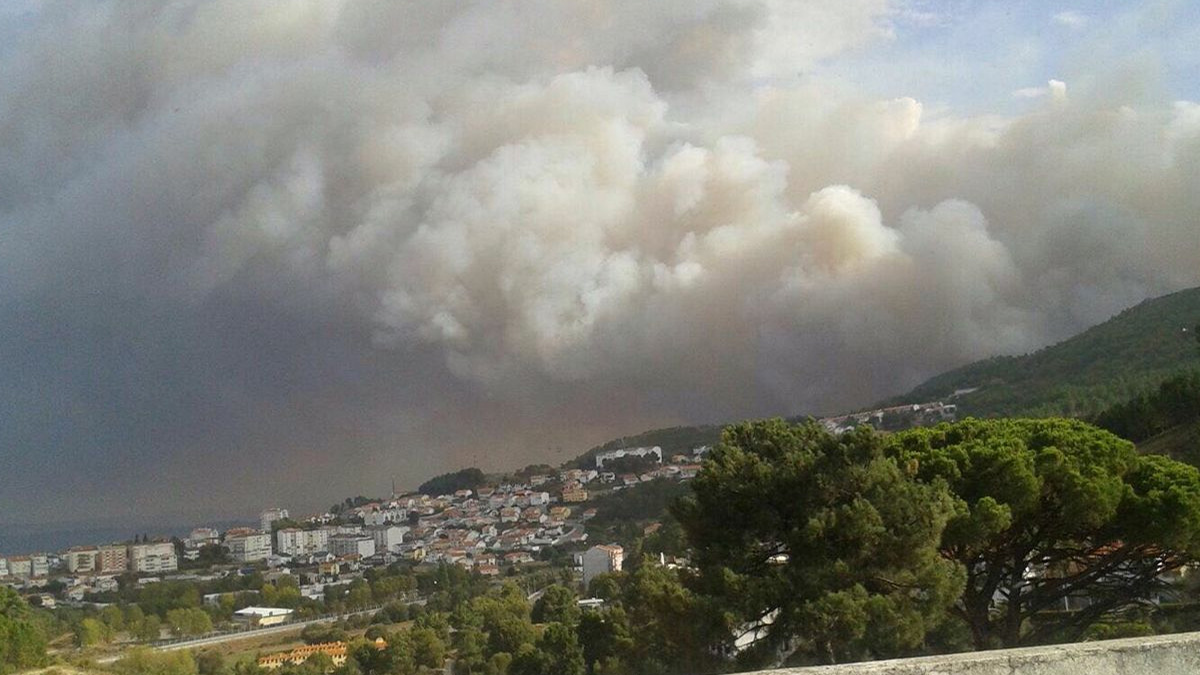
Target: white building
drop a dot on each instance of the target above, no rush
(3, 567)
(262, 616)
(271, 515)
(293, 542)
(352, 544)
(29, 566)
(387, 537)
(82, 559)
(385, 516)
(655, 452)
(20, 567)
(203, 536)
(600, 560)
(248, 545)
(152, 558)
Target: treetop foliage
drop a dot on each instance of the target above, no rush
(823, 540)
(1074, 505)
(821, 547)
(448, 483)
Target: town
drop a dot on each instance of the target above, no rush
(490, 529)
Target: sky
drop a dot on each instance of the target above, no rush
(280, 252)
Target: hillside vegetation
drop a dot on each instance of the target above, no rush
(672, 441)
(1124, 357)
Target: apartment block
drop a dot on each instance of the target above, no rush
(269, 516)
(293, 541)
(82, 559)
(601, 559)
(248, 545)
(352, 544)
(152, 557)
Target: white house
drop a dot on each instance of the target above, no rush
(600, 560)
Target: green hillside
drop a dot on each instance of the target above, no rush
(1125, 356)
(675, 440)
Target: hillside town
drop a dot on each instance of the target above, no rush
(489, 530)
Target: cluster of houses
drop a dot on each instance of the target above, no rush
(894, 418)
(486, 529)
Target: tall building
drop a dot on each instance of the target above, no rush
(246, 545)
(600, 560)
(352, 544)
(152, 557)
(20, 566)
(270, 516)
(387, 537)
(3, 567)
(292, 541)
(111, 558)
(82, 559)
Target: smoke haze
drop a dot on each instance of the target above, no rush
(257, 252)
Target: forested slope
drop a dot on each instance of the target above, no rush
(1128, 355)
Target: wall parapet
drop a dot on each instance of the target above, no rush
(1177, 654)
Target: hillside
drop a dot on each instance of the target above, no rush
(1164, 421)
(672, 441)
(1112, 362)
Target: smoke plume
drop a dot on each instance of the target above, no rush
(287, 240)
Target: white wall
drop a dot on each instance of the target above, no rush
(1160, 655)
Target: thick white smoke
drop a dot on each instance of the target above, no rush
(564, 197)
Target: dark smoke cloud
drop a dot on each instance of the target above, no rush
(283, 251)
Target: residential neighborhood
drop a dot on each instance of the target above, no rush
(491, 529)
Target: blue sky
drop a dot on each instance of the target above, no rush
(971, 56)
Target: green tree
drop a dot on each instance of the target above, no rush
(823, 543)
(113, 617)
(673, 628)
(560, 643)
(428, 650)
(508, 633)
(22, 644)
(91, 632)
(210, 662)
(606, 586)
(1050, 509)
(187, 622)
(143, 661)
(149, 628)
(604, 635)
(556, 604)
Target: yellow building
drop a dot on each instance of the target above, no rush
(335, 650)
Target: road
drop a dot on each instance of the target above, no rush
(192, 643)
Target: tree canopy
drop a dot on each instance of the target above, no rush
(817, 542)
(448, 483)
(22, 644)
(1047, 510)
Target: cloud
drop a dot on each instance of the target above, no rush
(293, 246)
(1070, 19)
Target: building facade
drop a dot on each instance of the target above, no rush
(152, 557)
(82, 559)
(269, 516)
(352, 544)
(387, 537)
(292, 541)
(601, 560)
(247, 546)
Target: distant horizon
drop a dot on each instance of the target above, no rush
(26, 540)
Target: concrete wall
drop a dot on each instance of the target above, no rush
(1160, 655)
